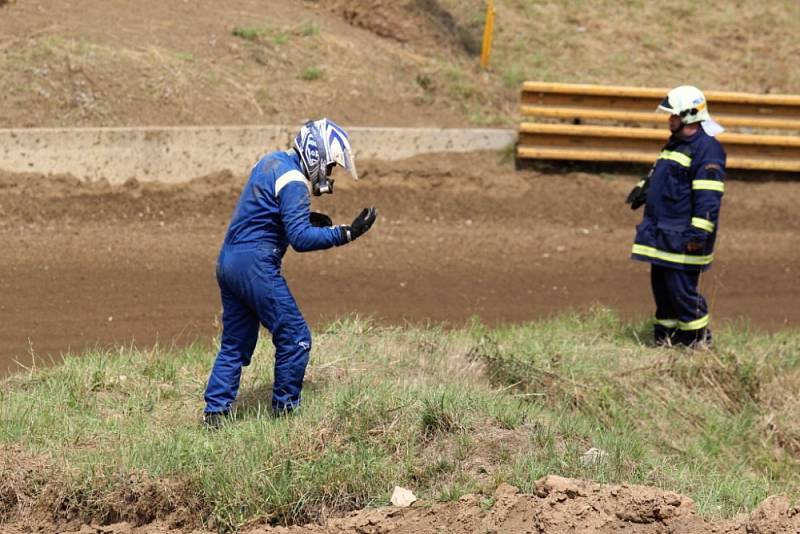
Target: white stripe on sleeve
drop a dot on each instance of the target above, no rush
(290, 176)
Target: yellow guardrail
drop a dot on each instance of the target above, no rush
(605, 123)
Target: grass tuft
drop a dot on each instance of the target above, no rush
(312, 73)
(309, 29)
(249, 33)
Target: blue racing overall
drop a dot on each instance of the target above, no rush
(272, 213)
(682, 209)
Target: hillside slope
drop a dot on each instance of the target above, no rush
(374, 62)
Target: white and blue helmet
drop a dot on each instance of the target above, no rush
(322, 144)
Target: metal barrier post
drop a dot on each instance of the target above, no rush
(488, 29)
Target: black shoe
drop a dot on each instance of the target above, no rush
(693, 339)
(215, 420)
(704, 340)
(662, 335)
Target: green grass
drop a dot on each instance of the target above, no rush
(312, 73)
(277, 36)
(411, 407)
(280, 37)
(309, 29)
(249, 33)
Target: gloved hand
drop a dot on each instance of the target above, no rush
(319, 219)
(360, 224)
(695, 240)
(694, 246)
(638, 195)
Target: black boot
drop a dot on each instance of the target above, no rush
(694, 339)
(663, 335)
(216, 420)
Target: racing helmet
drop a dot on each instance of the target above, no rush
(323, 144)
(689, 103)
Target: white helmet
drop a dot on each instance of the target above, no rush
(323, 144)
(689, 103)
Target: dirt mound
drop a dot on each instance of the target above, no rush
(33, 494)
(564, 505)
(424, 23)
(64, 197)
(473, 185)
(557, 505)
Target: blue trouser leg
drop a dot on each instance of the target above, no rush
(279, 313)
(692, 309)
(678, 299)
(666, 316)
(253, 291)
(239, 336)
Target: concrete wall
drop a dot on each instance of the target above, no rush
(178, 154)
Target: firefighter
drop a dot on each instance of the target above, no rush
(273, 212)
(682, 197)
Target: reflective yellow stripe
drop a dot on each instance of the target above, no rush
(640, 183)
(704, 224)
(668, 323)
(702, 322)
(709, 185)
(683, 159)
(685, 259)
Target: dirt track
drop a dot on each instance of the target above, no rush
(87, 265)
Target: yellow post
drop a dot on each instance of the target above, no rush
(487, 34)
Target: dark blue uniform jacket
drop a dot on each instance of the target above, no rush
(683, 202)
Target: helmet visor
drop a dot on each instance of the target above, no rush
(341, 155)
(666, 106)
(350, 164)
(337, 145)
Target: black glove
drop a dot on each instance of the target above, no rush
(696, 239)
(319, 219)
(638, 195)
(360, 225)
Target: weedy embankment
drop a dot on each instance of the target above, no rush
(115, 436)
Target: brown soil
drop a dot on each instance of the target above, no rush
(33, 499)
(33, 496)
(558, 505)
(101, 63)
(461, 236)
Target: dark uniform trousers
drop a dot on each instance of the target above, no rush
(681, 311)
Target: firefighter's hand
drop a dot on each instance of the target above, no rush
(319, 220)
(361, 224)
(694, 246)
(638, 195)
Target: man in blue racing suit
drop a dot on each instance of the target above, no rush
(682, 197)
(272, 213)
